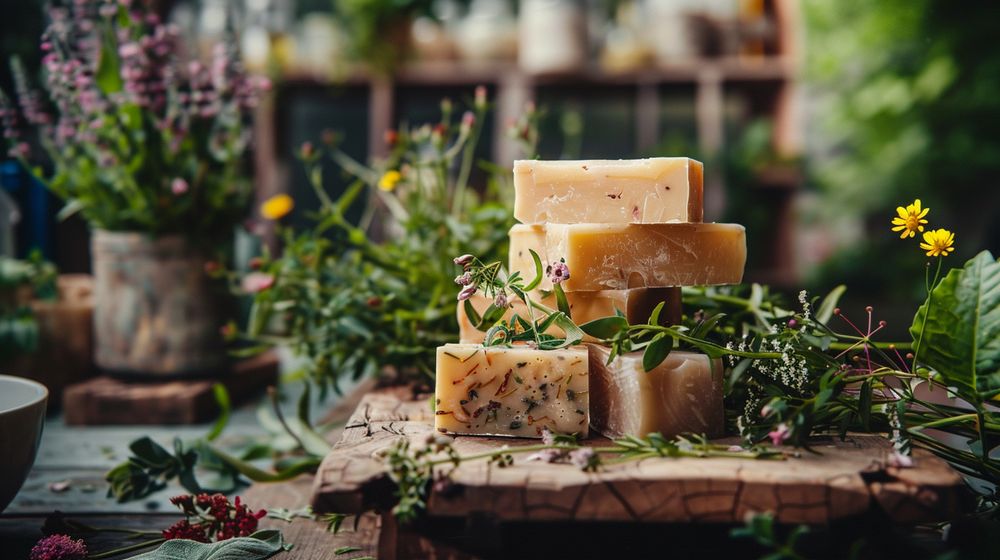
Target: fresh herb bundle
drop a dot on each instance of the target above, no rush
(138, 139)
(354, 306)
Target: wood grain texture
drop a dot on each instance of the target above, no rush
(105, 400)
(845, 479)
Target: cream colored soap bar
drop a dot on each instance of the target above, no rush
(653, 190)
(514, 391)
(682, 395)
(636, 304)
(615, 257)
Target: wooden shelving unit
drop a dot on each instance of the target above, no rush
(768, 83)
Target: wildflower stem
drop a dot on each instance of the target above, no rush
(923, 324)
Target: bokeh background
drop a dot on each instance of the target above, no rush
(815, 118)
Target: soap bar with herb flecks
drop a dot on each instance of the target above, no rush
(653, 190)
(681, 395)
(619, 256)
(511, 391)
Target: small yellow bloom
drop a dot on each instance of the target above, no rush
(938, 243)
(389, 179)
(910, 219)
(277, 207)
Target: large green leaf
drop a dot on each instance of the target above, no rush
(260, 545)
(961, 327)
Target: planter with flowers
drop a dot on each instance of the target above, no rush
(150, 149)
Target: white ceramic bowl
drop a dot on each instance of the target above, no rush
(22, 415)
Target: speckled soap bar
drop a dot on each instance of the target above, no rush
(653, 190)
(517, 391)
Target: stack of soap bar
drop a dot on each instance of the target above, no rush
(514, 391)
(653, 190)
(636, 304)
(620, 256)
(681, 395)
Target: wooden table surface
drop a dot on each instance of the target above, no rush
(80, 456)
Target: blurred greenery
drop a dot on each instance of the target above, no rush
(906, 100)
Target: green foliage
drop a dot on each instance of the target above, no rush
(258, 546)
(21, 281)
(957, 330)
(376, 27)
(356, 299)
(761, 528)
(907, 107)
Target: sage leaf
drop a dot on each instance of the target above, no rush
(957, 330)
(605, 327)
(258, 546)
(657, 351)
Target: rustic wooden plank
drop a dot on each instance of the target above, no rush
(845, 479)
(105, 400)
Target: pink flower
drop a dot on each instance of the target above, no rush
(558, 272)
(584, 458)
(464, 279)
(900, 461)
(464, 260)
(779, 434)
(59, 547)
(467, 292)
(500, 300)
(179, 186)
(257, 282)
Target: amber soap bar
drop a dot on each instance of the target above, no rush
(511, 391)
(682, 395)
(637, 305)
(653, 190)
(620, 256)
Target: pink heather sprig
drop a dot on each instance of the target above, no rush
(59, 547)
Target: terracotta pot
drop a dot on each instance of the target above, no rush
(157, 313)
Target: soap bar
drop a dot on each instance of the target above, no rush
(619, 256)
(637, 305)
(511, 391)
(653, 190)
(681, 395)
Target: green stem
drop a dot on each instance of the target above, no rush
(125, 549)
(923, 324)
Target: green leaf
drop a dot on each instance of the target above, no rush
(605, 327)
(864, 404)
(539, 274)
(825, 311)
(561, 300)
(108, 75)
(346, 549)
(471, 313)
(957, 330)
(258, 546)
(657, 351)
(225, 406)
(654, 317)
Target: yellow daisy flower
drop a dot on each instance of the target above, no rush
(277, 207)
(389, 179)
(938, 243)
(910, 219)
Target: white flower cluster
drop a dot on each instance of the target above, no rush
(900, 444)
(804, 300)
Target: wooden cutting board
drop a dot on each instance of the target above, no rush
(846, 479)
